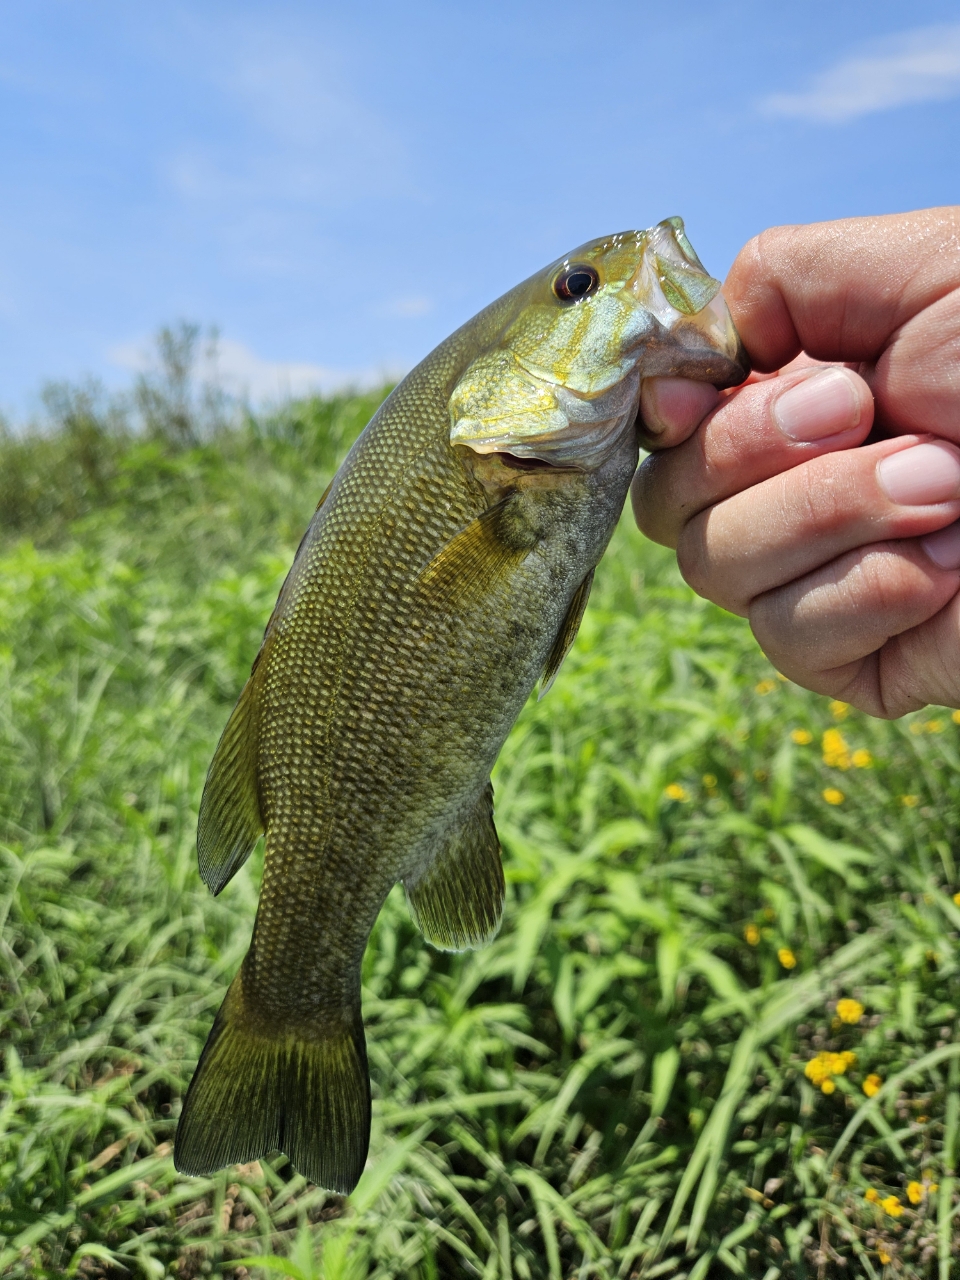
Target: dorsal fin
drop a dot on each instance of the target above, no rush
(280, 597)
(566, 635)
(230, 821)
(458, 901)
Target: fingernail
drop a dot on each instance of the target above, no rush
(922, 475)
(943, 547)
(824, 404)
(677, 403)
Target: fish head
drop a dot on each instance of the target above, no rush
(562, 380)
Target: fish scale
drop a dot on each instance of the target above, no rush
(445, 570)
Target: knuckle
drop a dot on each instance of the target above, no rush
(692, 558)
(703, 571)
(649, 495)
(772, 623)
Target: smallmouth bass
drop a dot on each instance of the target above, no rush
(445, 571)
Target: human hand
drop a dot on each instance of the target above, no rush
(845, 559)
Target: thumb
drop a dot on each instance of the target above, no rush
(671, 409)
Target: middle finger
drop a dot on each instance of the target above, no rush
(791, 524)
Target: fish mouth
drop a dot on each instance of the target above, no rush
(697, 337)
(516, 463)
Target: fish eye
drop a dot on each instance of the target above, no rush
(575, 282)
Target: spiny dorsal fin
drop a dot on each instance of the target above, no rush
(280, 598)
(566, 635)
(323, 497)
(474, 561)
(458, 901)
(230, 821)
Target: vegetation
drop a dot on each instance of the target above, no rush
(717, 1034)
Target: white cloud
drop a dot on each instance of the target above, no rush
(309, 134)
(241, 372)
(922, 65)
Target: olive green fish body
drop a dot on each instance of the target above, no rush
(383, 713)
(444, 572)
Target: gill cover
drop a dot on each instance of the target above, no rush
(563, 381)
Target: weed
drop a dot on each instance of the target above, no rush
(620, 1085)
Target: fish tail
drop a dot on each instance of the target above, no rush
(303, 1091)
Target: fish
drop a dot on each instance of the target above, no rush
(445, 572)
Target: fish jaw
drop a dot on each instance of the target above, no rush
(698, 338)
(562, 382)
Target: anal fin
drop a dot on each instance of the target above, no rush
(230, 821)
(566, 635)
(474, 561)
(458, 901)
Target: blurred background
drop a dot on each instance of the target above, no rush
(336, 187)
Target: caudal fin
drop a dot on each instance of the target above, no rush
(307, 1095)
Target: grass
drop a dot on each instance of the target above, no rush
(701, 859)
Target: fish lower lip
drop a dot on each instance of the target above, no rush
(528, 464)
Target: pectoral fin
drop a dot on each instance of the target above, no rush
(566, 635)
(474, 561)
(230, 821)
(458, 901)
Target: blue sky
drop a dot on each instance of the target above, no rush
(338, 186)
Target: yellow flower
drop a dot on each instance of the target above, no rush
(956, 717)
(956, 898)
(849, 1011)
(833, 796)
(916, 728)
(861, 759)
(839, 710)
(765, 686)
(934, 726)
(787, 958)
(675, 792)
(709, 779)
(883, 1256)
(818, 1068)
(915, 1192)
(752, 934)
(892, 1206)
(828, 1086)
(909, 802)
(803, 737)
(836, 753)
(873, 1084)
(872, 1194)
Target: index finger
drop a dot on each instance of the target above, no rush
(840, 290)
